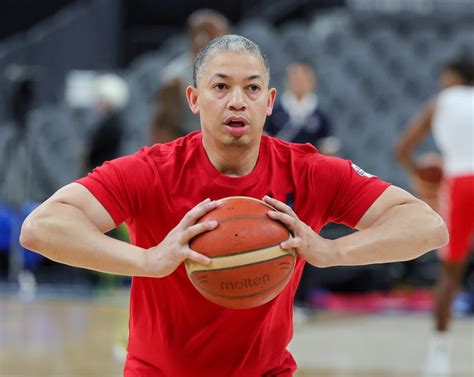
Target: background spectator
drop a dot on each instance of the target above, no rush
(297, 116)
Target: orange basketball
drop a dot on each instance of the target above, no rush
(430, 173)
(248, 267)
(429, 167)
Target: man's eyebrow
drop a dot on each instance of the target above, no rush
(224, 76)
(253, 77)
(219, 75)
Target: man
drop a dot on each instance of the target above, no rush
(161, 191)
(450, 116)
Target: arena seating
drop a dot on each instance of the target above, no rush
(375, 69)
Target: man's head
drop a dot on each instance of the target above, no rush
(300, 79)
(228, 43)
(204, 25)
(231, 93)
(459, 71)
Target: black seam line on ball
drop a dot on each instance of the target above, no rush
(260, 218)
(244, 251)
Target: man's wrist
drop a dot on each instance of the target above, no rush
(325, 254)
(141, 263)
(335, 253)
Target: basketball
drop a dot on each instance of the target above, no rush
(430, 173)
(430, 168)
(248, 267)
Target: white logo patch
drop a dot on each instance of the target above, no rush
(361, 171)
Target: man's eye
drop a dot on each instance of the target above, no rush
(220, 86)
(254, 88)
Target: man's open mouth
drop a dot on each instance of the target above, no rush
(236, 124)
(236, 121)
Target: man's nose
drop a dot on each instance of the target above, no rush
(237, 100)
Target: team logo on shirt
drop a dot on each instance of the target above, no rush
(361, 171)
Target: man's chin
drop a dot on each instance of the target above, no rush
(241, 141)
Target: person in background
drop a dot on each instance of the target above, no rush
(298, 117)
(15, 154)
(16, 171)
(165, 122)
(450, 118)
(111, 96)
(172, 117)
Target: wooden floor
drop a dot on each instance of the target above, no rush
(63, 337)
(60, 337)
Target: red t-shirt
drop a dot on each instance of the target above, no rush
(174, 331)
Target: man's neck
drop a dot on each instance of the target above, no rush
(233, 161)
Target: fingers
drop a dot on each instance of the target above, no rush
(195, 256)
(196, 229)
(291, 222)
(292, 243)
(280, 206)
(198, 211)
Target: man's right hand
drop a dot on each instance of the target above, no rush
(163, 259)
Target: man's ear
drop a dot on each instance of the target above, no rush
(192, 97)
(271, 100)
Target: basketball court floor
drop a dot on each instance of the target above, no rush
(80, 336)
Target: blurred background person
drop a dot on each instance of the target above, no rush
(297, 116)
(450, 118)
(172, 116)
(15, 160)
(111, 96)
(165, 121)
(16, 174)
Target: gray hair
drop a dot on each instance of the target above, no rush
(232, 43)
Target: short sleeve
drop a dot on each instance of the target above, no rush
(348, 190)
(121, 186)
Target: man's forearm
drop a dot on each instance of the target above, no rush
(402, 233)
(71, 238)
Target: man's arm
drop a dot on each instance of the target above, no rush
(396, 227)
(69, 226)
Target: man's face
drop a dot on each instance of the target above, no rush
(232, 98)
(300, 80)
